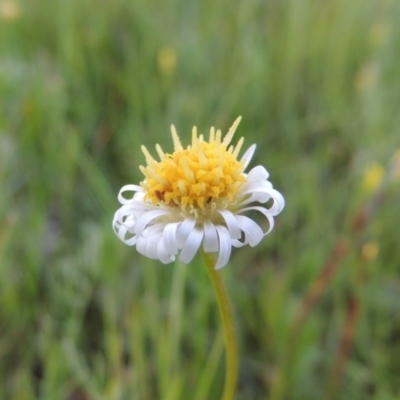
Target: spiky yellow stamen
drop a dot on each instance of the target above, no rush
(160, 152)
(228, 137)
(175, 139)
(198, 177)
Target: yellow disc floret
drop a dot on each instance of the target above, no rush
(199, 178)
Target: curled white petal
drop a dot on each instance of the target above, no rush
(115, 223)
(152, 229)
(210, 244)
(163, 254)
(253, 234)
(148, 246)
(266, 213)
(128, 188)
(264, 195)
(146, 218)
(279, 203)
(258, 173)
(231, 224)
(184, 231)
(169, 237)
(191, 246)
(259, 190)
(225, 247)
(125, 236)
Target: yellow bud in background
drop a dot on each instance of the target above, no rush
(166, 60)
(373, 177)
(370, 250)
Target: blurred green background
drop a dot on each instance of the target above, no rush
(84, 83)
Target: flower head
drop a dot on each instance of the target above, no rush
(194, 197)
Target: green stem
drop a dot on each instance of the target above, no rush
(231, 373)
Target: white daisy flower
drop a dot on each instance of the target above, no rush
(197, 197)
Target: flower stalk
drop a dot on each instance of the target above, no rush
(232, 360)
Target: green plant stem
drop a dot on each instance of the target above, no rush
(231, 373)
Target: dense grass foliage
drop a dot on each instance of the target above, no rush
(84, 83)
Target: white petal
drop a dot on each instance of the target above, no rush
(162, 254)
(255, 198)
(124, 212)
(139, 205)
(153, 229)
(130, 242)
(210, 243)
(128, 188)
(262, 195)
(139, 196)
(231, 223)
(191, 246)
(146, 218)
(122, 232)
(115, 223)
(169, 237)
(148, 246)
(124, 229)
(253, 234)
(258, 187)
(225, 247)
(266, 213)
(279, 202)
(129, 219)
(258, 173)
(183, 231)
(248, 155)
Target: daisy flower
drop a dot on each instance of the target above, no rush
(197, 197)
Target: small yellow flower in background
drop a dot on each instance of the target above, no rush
(9, 10)
(196, 197)
(166, 60)
(373, 177)
(370, 250)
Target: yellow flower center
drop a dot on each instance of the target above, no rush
(198, 179)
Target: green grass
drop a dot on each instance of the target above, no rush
(84, 83)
